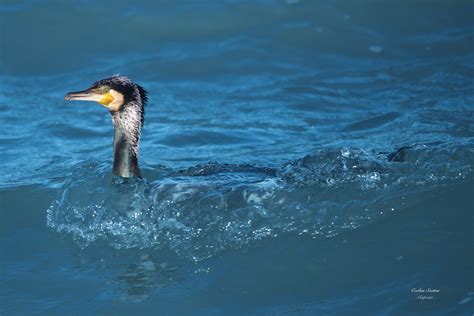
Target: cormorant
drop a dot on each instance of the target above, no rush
(126, 102)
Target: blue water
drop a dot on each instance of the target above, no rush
(268, 189)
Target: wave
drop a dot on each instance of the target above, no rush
(206, 209)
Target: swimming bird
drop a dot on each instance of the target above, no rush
(126, 102)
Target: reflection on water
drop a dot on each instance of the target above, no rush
(141, 278)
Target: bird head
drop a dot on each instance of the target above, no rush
(113, 92)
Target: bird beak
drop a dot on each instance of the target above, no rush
(84, 95)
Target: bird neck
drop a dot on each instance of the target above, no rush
(125, 155)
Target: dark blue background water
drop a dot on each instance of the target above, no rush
(267, 188)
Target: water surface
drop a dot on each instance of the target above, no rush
(270, 188)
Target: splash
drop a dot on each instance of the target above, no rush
(199, 212)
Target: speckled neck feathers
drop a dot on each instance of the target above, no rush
(128, 122)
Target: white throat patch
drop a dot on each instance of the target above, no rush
(117, 103)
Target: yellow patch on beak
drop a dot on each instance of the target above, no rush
(106, 99)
